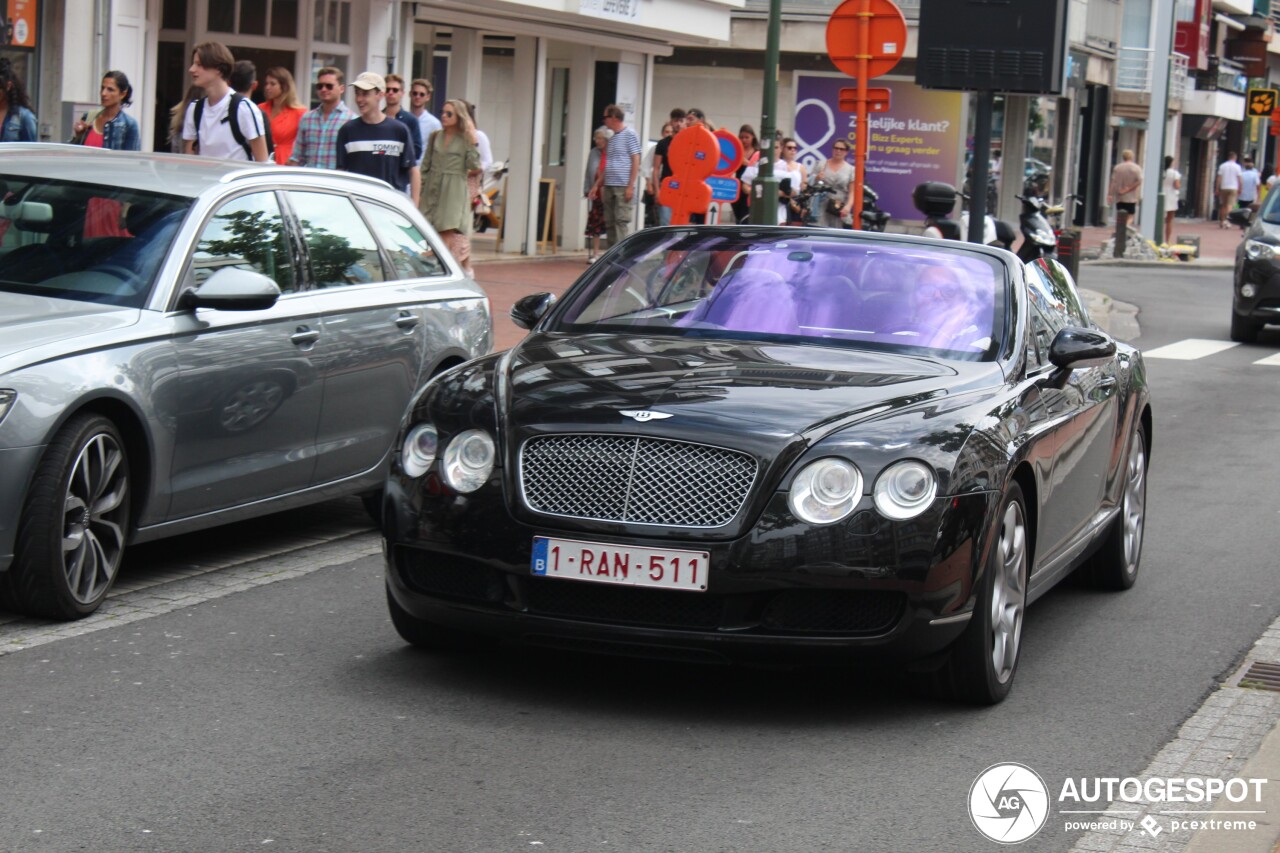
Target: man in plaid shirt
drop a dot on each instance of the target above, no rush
(317, 142)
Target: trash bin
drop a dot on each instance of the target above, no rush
(1069, 250)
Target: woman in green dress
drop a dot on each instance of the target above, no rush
(450, 156)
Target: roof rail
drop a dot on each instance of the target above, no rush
(260, 170)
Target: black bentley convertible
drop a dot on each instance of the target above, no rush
(774, 444)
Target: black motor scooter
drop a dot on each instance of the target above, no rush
(1038, 239)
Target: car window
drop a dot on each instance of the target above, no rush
(410, 253)
(340, 247)
(247, 233)
(88, 242)
(1050, 287)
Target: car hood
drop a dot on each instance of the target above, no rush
(726, 385)
(31, 321)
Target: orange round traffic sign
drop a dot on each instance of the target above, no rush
(887, 36)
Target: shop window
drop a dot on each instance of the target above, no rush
(249, 17)
(174, 15)
(333, 21)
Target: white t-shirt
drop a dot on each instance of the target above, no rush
(1229, 176)
(1171, 178)
(486, 152)
(216, 139)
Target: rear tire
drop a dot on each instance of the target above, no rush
(1244, 330)
(74, 525)
(1116, 563)
(980, 666)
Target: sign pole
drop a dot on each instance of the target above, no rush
(860, 147)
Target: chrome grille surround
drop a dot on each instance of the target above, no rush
(635, 479)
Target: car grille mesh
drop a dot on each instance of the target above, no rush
(635, 479)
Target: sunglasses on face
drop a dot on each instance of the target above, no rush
(840, 148)
(417, 94)
(791, 147)
(326, 85)
(447, 114)
(393, 89)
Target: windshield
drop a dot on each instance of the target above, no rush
(90, 242)
(837, 290)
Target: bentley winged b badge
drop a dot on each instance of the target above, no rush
(644, 415)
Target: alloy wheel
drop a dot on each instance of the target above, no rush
(95, 510)
(1135, 501)
(1009, 592)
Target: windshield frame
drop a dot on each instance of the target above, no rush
(634, 258)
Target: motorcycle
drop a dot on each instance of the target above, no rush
(487, 205)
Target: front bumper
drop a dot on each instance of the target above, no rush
(1264, 305)
(865, 588)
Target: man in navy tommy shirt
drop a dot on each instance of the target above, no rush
(375, 145)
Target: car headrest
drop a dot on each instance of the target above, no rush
(30, 215)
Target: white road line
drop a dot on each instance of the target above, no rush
(1271, 360)
(1189, 350)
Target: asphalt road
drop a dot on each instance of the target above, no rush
(292, 717)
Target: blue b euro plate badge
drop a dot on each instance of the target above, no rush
(539, 555)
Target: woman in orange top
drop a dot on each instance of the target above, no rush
(281, 105)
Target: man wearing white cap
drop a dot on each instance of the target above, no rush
(375, 145)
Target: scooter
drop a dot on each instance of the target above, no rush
(936, 200)
(1038, 239)
(873, 218)
(486, 206)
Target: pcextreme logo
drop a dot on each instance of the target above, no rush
(1008, 803)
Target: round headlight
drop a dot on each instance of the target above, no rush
(905, 489)
(419, 450)
(1248, 291)
(825, 491)
(468, 460)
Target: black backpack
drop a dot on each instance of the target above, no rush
(236, 98)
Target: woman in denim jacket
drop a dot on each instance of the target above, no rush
(17, 122)
(110, 127)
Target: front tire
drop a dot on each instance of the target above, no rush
(428, 635)
(982, 663)
(1244, 330)
(1116, 563)
(74, 524)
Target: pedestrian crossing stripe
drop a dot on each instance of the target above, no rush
(1197, 348)
(1189, 349)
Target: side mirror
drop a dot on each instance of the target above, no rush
(232, 289)
(528, 310)
(1075, 347)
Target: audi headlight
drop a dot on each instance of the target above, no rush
(1256, 250)
(825, 491)
(905, 489)
(6, 402)
(468, 460)
(419, 450)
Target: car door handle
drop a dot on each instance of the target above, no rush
(407, 320)
(304, 336)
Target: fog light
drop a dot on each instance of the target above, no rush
(1248, 291)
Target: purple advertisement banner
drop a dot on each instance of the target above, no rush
(919, 138)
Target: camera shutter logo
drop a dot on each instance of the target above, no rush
(1008, 803)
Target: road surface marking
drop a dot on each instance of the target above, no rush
(1190, 349)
